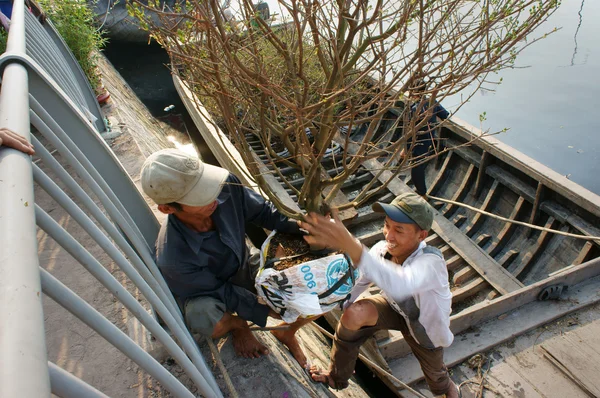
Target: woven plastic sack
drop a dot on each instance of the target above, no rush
(307, 289)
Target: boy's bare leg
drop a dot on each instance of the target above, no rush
(244, 342)
(288, 338)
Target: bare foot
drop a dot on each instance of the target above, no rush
(320, 376)
(288, 338)
(246, 345)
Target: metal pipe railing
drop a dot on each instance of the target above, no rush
(113, 285)
(65, 385)
(52, 131)
(24, 370)
(51, 163)
(74, 248)
(27, 372)
(85, 312)
(92, 178)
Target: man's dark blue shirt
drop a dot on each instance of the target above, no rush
(203, 263)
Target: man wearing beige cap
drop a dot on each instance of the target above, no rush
(201, 249)
(415, 298)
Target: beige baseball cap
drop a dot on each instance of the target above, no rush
(171, 175)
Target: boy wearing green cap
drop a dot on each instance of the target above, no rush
(415, 298)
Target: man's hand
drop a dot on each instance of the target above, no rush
(13, 140)
(331, 234)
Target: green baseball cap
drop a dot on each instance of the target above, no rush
(408, 208)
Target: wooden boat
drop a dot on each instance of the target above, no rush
(113, 17)
(495, 266)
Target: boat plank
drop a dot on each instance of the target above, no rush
(459, 192)
(277, 189)
(483, 163)
(439, 177)
(572, 357)
(539, 193)
(552, 208)
(547, 380)
(540, 243)
(468, 290)
(507, 382)
(505, 178)
(341, 199)
(478, 218)
(585, 251)
(506, 232)
(574, 220)
(489, 269)
(371, 238)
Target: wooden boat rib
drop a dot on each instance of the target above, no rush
(487, 258)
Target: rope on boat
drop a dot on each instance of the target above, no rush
(217, 356)
(532, 226)
(378, 368)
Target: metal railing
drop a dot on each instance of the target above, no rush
(61, 114)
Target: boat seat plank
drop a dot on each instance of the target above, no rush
(463, 275)
(468, 290)
(585, 251)
(572, 219)
(454, 262)
(512, 182)
(572, 357)
(464, 152)
(363, 218)
(552, 208)
(459, 220)
(489, 269)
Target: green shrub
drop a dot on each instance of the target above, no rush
(75, 23)
(3, 37)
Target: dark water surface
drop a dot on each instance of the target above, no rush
(145, 68)
(551, 107)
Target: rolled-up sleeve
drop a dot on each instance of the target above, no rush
(187, 280)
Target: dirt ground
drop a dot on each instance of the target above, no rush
(79, 350)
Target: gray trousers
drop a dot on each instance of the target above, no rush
(202, 313)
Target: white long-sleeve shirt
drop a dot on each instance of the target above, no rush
(422, 277)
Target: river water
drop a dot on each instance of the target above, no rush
(549, 104)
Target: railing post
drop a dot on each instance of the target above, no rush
(24, 370)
